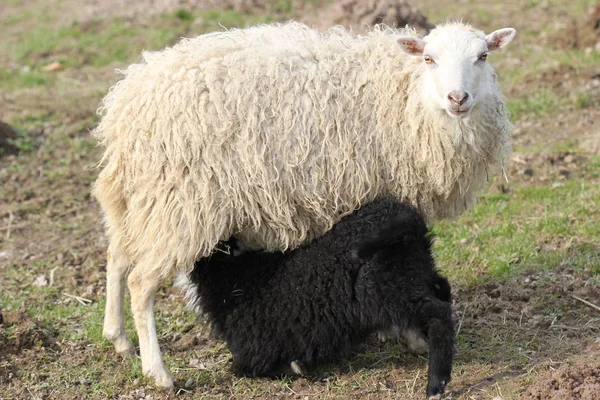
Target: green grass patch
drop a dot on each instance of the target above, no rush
(531, 227)
(14, 79)
(184, 15)
(95, 44)
(24, 142)
(533, 62)
(99, 43)
(539, 104)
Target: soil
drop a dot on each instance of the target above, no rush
(576, 379)
(28, 333)
(105, 9)
(580, 34)
(51, 224)
(7, 133)
(358, 14)
(361, 15)
(27, 337)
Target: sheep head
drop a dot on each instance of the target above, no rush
(456, 75)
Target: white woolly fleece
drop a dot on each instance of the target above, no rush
(272, 134)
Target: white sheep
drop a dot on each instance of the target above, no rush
(273, 133)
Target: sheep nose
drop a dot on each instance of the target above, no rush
(458, 97)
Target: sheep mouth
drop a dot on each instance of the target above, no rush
(458, 113)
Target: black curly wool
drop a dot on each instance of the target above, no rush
(372, 271)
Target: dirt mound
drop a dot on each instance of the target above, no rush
(7, 133)
(362, 14)
(580, 34)
(569, 382)
(20, 332)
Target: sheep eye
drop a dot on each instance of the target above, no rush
(428, 59)
(483, 57)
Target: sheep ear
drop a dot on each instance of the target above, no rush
(411, 45)
(500, 38)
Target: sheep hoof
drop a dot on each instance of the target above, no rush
(164, 381)
(124, 347)
(162, 378)
(297, 367)
(127, 353)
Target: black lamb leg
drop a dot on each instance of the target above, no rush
(437, 318)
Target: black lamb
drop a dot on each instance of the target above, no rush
(373, 271)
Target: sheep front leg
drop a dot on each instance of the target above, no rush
(143, 290)
(114, 316)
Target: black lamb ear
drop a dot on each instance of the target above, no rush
(367, 247)
(441, 288)
(363, 250)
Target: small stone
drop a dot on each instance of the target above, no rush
(569, 159)
(41, 281)
(189, 383)
(89, 290)
(54, 66)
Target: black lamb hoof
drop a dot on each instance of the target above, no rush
(436, 387)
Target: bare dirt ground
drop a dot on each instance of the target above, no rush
(529, 336)
(577, 379)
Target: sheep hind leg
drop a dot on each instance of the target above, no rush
(143, 288)
(416, 341)
(114, 313)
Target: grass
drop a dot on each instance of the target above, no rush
(98, 43)
(535, 228)
(538, 105)
(506, 233)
